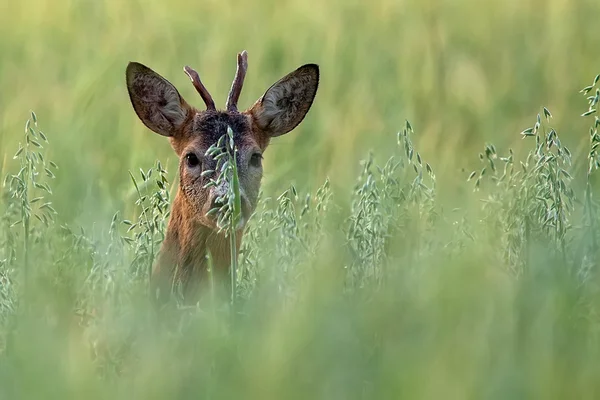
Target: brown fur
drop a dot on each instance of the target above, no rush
(191, 233)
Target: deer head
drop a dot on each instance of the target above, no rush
(192, 131)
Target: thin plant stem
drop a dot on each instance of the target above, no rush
(237, 206)
(234, 266)
(148, 224)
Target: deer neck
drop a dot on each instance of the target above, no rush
(184, 251)
(192, 241)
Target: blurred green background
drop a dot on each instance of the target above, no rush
(463, 72)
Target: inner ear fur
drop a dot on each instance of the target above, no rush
(285, 104)
(156, 101)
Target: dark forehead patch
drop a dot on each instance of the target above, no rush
(213, 124)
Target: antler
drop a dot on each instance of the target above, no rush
(238, 81)
(210, 104)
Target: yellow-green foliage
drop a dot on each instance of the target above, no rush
(372, 268)
(463, 72)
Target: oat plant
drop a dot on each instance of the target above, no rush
(27, 191)
(230, 209)
(387, 200)
(590, 206)
(146, 233)
(529, 200)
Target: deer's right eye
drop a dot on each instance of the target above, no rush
(192, 160)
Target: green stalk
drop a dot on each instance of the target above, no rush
(139, 193)
(26, 254)
(25, 214)
(232, 240)
(237, 210)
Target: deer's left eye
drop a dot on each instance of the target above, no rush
(256, 160)
(192, 160)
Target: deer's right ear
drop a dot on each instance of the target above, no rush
(285, 104)
(155, 100)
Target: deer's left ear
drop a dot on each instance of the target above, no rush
(285, 104)
(155, 100)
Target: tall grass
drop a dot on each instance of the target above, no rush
(390, 296)
(452, 256)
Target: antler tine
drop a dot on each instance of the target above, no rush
(238, 81)
(195, 78)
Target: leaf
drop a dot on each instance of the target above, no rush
(523, 166)
(48, 207)
(127, 240)
(134, 182)
(43, 187)
(18, 153)
(220, 156)
(212, 211)
(527, 132)
(565, 173)
(590, 112)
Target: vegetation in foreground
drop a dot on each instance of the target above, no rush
(374, 293)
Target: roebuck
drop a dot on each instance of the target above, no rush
(191, 232)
